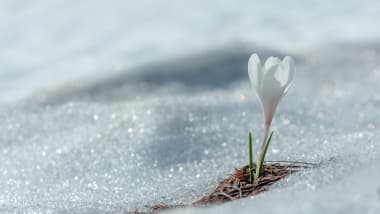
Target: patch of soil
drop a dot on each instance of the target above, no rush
(238, 186)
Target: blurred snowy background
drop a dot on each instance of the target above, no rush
(108, 106)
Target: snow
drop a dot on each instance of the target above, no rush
(114, 156)
(173, 121)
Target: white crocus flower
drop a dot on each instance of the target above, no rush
(271, 83)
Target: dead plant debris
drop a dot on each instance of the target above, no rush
(237, 185)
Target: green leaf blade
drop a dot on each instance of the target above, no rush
(251, 175)
(259, 169)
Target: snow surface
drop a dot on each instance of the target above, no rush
(112, 156)
(170, 124)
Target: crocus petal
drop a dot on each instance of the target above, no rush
(271, 61)
(255, 71)
(271, 86)
(288, 65)
(271, 92)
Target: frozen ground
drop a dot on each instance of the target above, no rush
(167, 131)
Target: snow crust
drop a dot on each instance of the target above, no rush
(150, 103)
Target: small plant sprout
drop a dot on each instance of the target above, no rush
(251, 173)
(271, 82)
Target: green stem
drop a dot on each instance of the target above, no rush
(265, 139)
(251, 174)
